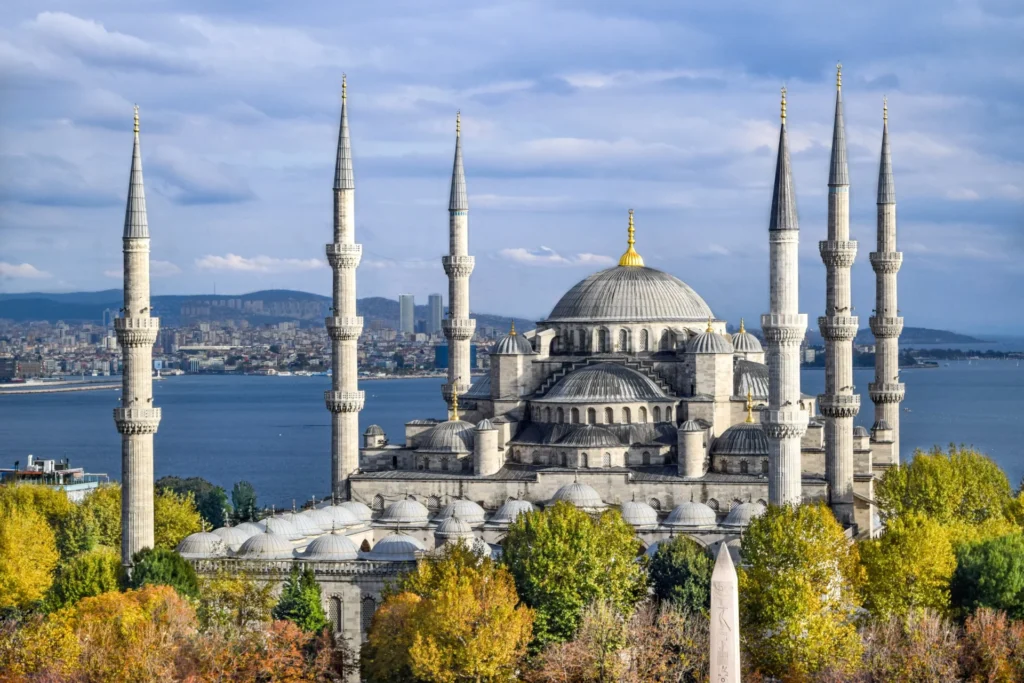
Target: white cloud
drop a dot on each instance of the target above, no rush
(21, 270)
(545, 256)
(257, 264)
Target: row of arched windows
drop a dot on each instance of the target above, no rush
(621, 341)
(558, 415)
(336, 612)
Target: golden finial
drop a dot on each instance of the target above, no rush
(512, 330)
(344, 86)
(710, 329)
(455, 402)
(839, 75)
(743, 330)
(631, 258)
(783, 104)
(458, 122)
(136, 118)
(750, 407)
(885, 109)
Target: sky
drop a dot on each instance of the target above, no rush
(572, 113)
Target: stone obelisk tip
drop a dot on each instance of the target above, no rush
(725, 620)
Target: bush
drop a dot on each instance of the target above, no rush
(162, 567)
(91, 573)
(680, 572)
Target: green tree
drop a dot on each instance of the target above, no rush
(230, 603)
(680, 572)
(908, 567)
(990, 574)
(563, 560)
(243, 497)
(91, 573)
(163, 567)
(211, 501)
(28, 555)
(301, 601)
(798, 593)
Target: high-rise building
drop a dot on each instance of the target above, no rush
(435, 313)
(406, 313)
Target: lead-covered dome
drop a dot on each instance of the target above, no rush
(580, 495)
(201, 545)
(508, 512)
(630, 294)
(466, 510)
(745, 438)
(590, 436)
(361, 511)
(639, 514)
(233, 536)
(604, 383)
(743, 514)
(752, 377)
(709, 342)
(513, 344)
(744, 342)
(267, 546)
(691, 514)
(453, 436)
(396, 548)
(331, 547)
(405, 511)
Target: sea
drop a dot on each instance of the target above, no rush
(275, 431)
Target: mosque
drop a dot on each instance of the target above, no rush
(629, 395)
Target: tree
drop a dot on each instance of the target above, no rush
(563, 559)
(211, 501)
(72, 528)
(680, 572)
(917, 646)
(908, 567)
(990, 574)
(103, 507)
(992, 647)
(92, 573)
(230, 603)
(28, 555)
(243, 497)
(666, 643)
(301, 601)
(42, 647)
(798, 592)
(174, 517)
(385, 656)
(163, 567)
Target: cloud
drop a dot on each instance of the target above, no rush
(257, 264)
(545, 256)
(156, 269)
(48, 180)
(11, 271)
(189, 179)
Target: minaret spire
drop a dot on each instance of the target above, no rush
(839, 404)
(344, 400)
(784, 327)
(137, 419)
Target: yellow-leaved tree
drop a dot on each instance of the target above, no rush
(174, 516)
(28, 555)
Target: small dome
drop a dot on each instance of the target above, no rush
(284, 527)
(344, 516)
(639, 514)
(268, 546)
(860, 431)
(745, 438)
(405, 511)
(374, 430)
(880, 424)
(453, 436)
(590, 436)
(709, 342)
(691, 514)
(323, 519)
(452, 528)
(744, 513)
(233, 536)
(396, 548)
(508, 512)
(362, 512)
(303, 524)
(744, 342)
(512, 344)
(252, 528)
(580, 495)
(604, 383)
(330, 548)
(691, 426)
(752, 377)
(201, 545)
(485, 425)
(465, 510)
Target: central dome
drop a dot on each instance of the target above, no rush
(630, 294)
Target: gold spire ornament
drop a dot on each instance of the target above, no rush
(743, 330)
(512, 330)
(750, 407)
(455, 403)
(783, 105)
(136, 118)
(839, 75)
(631, 258)
(710, 329)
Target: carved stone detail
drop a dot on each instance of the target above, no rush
(886, 261)
(344, 327)
(344, 401)
(344, 255)
(137, 420)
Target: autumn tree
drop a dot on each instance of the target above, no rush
(301, 601)
(88, 574)
(667, 643)
(919, 645)
(28, 555)
(992, 648)
(909, 567)
(211, 501)
(563, 560)
(72, 528)
(798, 592)
(232, 602)
(174, 516)
(163, 567)
(103, 507)
(41, 647)
(990, 574)
(680, 572)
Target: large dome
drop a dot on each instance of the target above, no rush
(630, 294)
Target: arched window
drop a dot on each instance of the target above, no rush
(368, 607)
(394, 462)
(663, 343)
(744, 467)
(584, 460)
(647, 458)
(764, 466)
(444, 464)
(547, 414)
(602, 340)
(433, 502)
(643, 415)
(563, 460)
(623, 340)
(365, 546)
(657, 414)
(574, 416)
(378, 502)
(607, 459)
(668, 414)
(560, 415)
(627, 417)
(336, 613)
(654, 503)
(538, 459)
(609, 415)
(645, 340)
(591, 416)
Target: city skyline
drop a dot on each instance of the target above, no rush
(557, 146)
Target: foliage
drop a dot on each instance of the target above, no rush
(797, 592)
(243, 497)
(211, 501)
(992, 648)
(44, 647)
(991, 574)
(920, 645)
(28, 555)
(563, 559)
(91, 573)
(680, 572)
(71, 526)
(231, 603)
(174, 517)
(908, 567)
(162, 567)
(103, 507)
(465, 624)
(301, 602)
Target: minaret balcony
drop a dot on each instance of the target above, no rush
(886, 261)
(784, 328)
(344, 401)
(344, 255)
(458, 330)
(785, 423)
(838, 254)
(886, 327)
(838, 327)
(458, 266)
(344, 327)
(136, 332)
(137, 420)
(839, 405)
(887, 392)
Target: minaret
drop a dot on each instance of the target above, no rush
(886, 324)
(344, 399)
(838, 326)
(137, 419)
(458, 265)
(784, 420)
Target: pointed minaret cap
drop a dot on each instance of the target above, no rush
(343, 178)
(783, 216)
(135, 222)
(459, 200)
(886, 186)
(631, 258)
(838, 173)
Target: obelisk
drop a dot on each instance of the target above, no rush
(725, 620)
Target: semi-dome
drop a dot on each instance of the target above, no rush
(322, 517)
(330, 548)
(630, 294)
(743, 514)
(639, 514)
(744, 342)
(303, 524)
(752, 377)
(580, 495)
(745, 438)
(604, 383)
(453, 528)
(344, 516)
(508, 512)
(267, 546)
(590, 436)
(405, 511)
(362, 511)
(453, 436)
(709, 341)
(396, 548)
(691, 514)
(374, 430)
(513, 344)
(252, 528)
(201, 545)
(466, 510)
(234, 536)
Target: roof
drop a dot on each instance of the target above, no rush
(590, 436)
(453, 436)
(745, 438)
(405, 511)
(233, 537)
(361, 511)
(580, 495)
(691, 514)
(201, 545)
(744, 342)
(513, 344)
(343, 178)
(511, 509)
(374, 430)
(886, 185)
(783, 215)
(752, 377)
(639, 514)
(485, 425)
(266, 546)
(481, 389)
(709, 342)
(397, 547)
(466, 510)
(453, 527)
(330, 548)
(743, 514)
(630, 294)
(136, 224)
(459, 199)
(838, 173)
(604, 383)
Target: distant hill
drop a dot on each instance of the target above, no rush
(910, 335)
